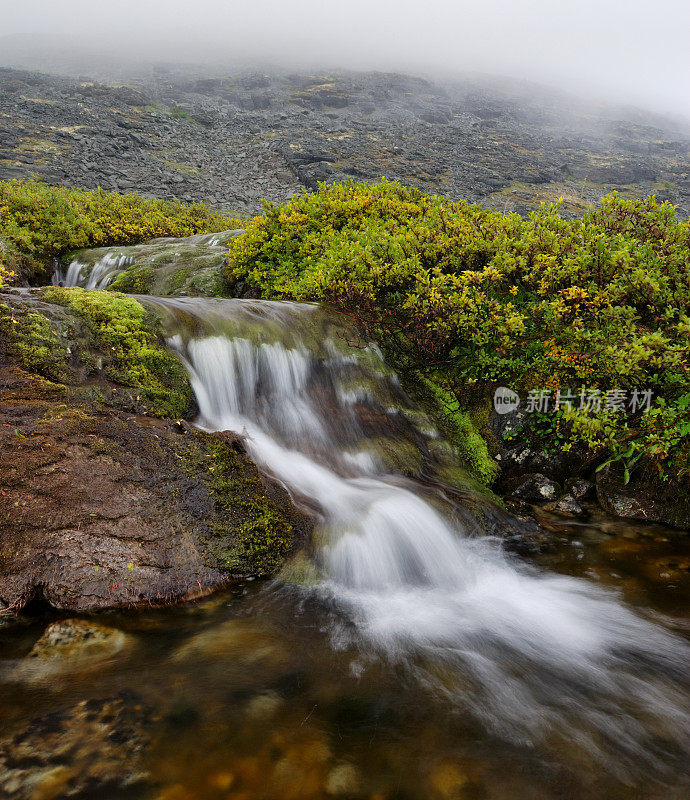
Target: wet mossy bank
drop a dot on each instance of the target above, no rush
(107, 498)
(106, 347)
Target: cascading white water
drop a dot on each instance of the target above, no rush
(536, 657)
(97, 269)
(98, 276)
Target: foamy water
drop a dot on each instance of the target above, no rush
(536, 657)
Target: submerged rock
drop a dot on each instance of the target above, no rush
(447, 780)
(343, 781)
(76, 637)
(68, 646)
(93, 748)
(239, 639)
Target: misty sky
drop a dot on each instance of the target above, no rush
(626, 50)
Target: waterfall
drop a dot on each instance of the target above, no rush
(97, 269)
(535, 657)
(93, 276)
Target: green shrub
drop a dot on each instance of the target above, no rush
(41, 221)
(470, 298)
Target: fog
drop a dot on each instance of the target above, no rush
(631, 52)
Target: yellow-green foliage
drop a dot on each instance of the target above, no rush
(472, 298)
(122, 329)
(6, 274)
(43, 221)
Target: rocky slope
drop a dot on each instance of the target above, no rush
(234, 139)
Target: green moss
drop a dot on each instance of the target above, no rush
(134, 280)
(189, 273)
(103, 447)
(398, 456)
(254, 535)
(126, 334)
(462, 432)
(209, 283)
(479, 415)
(184, 169)
(62, 411)
(179, 113)
(34, 342)
(179, 278)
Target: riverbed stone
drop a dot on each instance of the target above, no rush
(537, 488)
(70, 645)
(239, 639)
(447, 780)
(70, 637)
(343, 780)
(93, 748)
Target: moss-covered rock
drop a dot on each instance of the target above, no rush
(462, 448)
(32, 338)
(252, 532)
(397, 456)
(192, 266)
(105, 343)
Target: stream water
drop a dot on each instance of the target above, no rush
(406, 656)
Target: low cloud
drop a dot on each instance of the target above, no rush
(634, 52)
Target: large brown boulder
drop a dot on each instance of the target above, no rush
(100, 507)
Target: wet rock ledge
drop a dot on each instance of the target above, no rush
(106, 500)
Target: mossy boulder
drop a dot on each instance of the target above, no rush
(103, 344)
(108, 500)
(191, 266)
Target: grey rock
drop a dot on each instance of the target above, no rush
(466, 139)
(579, 488)
(537, 488)
(518, 454)
(569, 505)
(646, 497)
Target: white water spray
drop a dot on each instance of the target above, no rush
(96, 276)
(535, 657)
